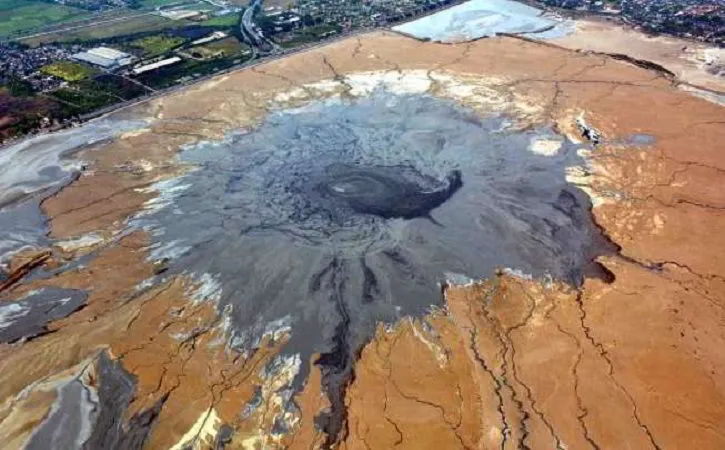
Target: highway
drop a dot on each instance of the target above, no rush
(263, 59)
(260, 44)
(259, 59)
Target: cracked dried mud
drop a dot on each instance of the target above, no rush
(376, 243)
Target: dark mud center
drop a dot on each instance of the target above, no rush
(336, 216)
(387, 192)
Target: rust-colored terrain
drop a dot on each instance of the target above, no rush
(631, 358)
(693, 63)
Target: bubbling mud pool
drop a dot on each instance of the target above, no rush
(330, 218)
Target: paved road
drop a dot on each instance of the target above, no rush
(260, 44)
(263, 59)
(256, 61)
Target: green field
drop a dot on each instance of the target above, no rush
(157, 44)
(309, 35)
(228, 47)
(224, 48)
(187, 70)
(68, 71)
(140, 24)
(230, 20)
(21, 16)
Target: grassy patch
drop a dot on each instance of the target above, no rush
(224, 48)
(68, 71)
(114, 85)
(310, 35)
(19, 87)
(228, 46)
(157, 44)
(228, 21)
(20, 115)
(74, 101)
(187, 70)
(21, 16)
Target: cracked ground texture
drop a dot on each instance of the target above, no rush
(508, 363)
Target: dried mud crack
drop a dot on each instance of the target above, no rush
(356, 205)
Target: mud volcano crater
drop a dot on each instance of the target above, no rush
(384, 191)
(332, 217)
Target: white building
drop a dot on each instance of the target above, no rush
(179, 14)
(156, 65)
(105, 57)
(212, 37)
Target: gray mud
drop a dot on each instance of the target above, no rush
(476, 19)
(70, 420)
(38, 167)
(90, 416)
(640, 139)
(27, 318)
(341, 214)
(42, 161)
(23, 226)
(116, 389)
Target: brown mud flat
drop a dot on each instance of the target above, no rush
(693, 63)
(510, 363)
